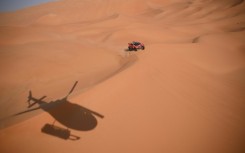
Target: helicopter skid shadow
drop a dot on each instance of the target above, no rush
(59, 132)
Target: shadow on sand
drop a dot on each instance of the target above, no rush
(59, 132)
(72, 116)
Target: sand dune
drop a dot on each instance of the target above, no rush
(183, 94)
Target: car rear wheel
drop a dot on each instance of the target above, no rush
(143, 47)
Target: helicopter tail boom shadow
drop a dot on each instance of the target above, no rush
(30, 110)
(35, 101)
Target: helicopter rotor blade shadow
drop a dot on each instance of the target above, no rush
(36, 101)
(93, 112)
(72, 88)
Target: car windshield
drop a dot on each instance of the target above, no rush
(136, 43)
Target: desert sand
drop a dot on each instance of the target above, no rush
(183, 94)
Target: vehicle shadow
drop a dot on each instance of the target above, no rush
(127, 50)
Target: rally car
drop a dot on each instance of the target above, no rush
(135, 46)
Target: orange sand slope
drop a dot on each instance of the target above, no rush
(183, 94)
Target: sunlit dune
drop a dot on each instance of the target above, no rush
(183, 94)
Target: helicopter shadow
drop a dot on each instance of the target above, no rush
(72, 116)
